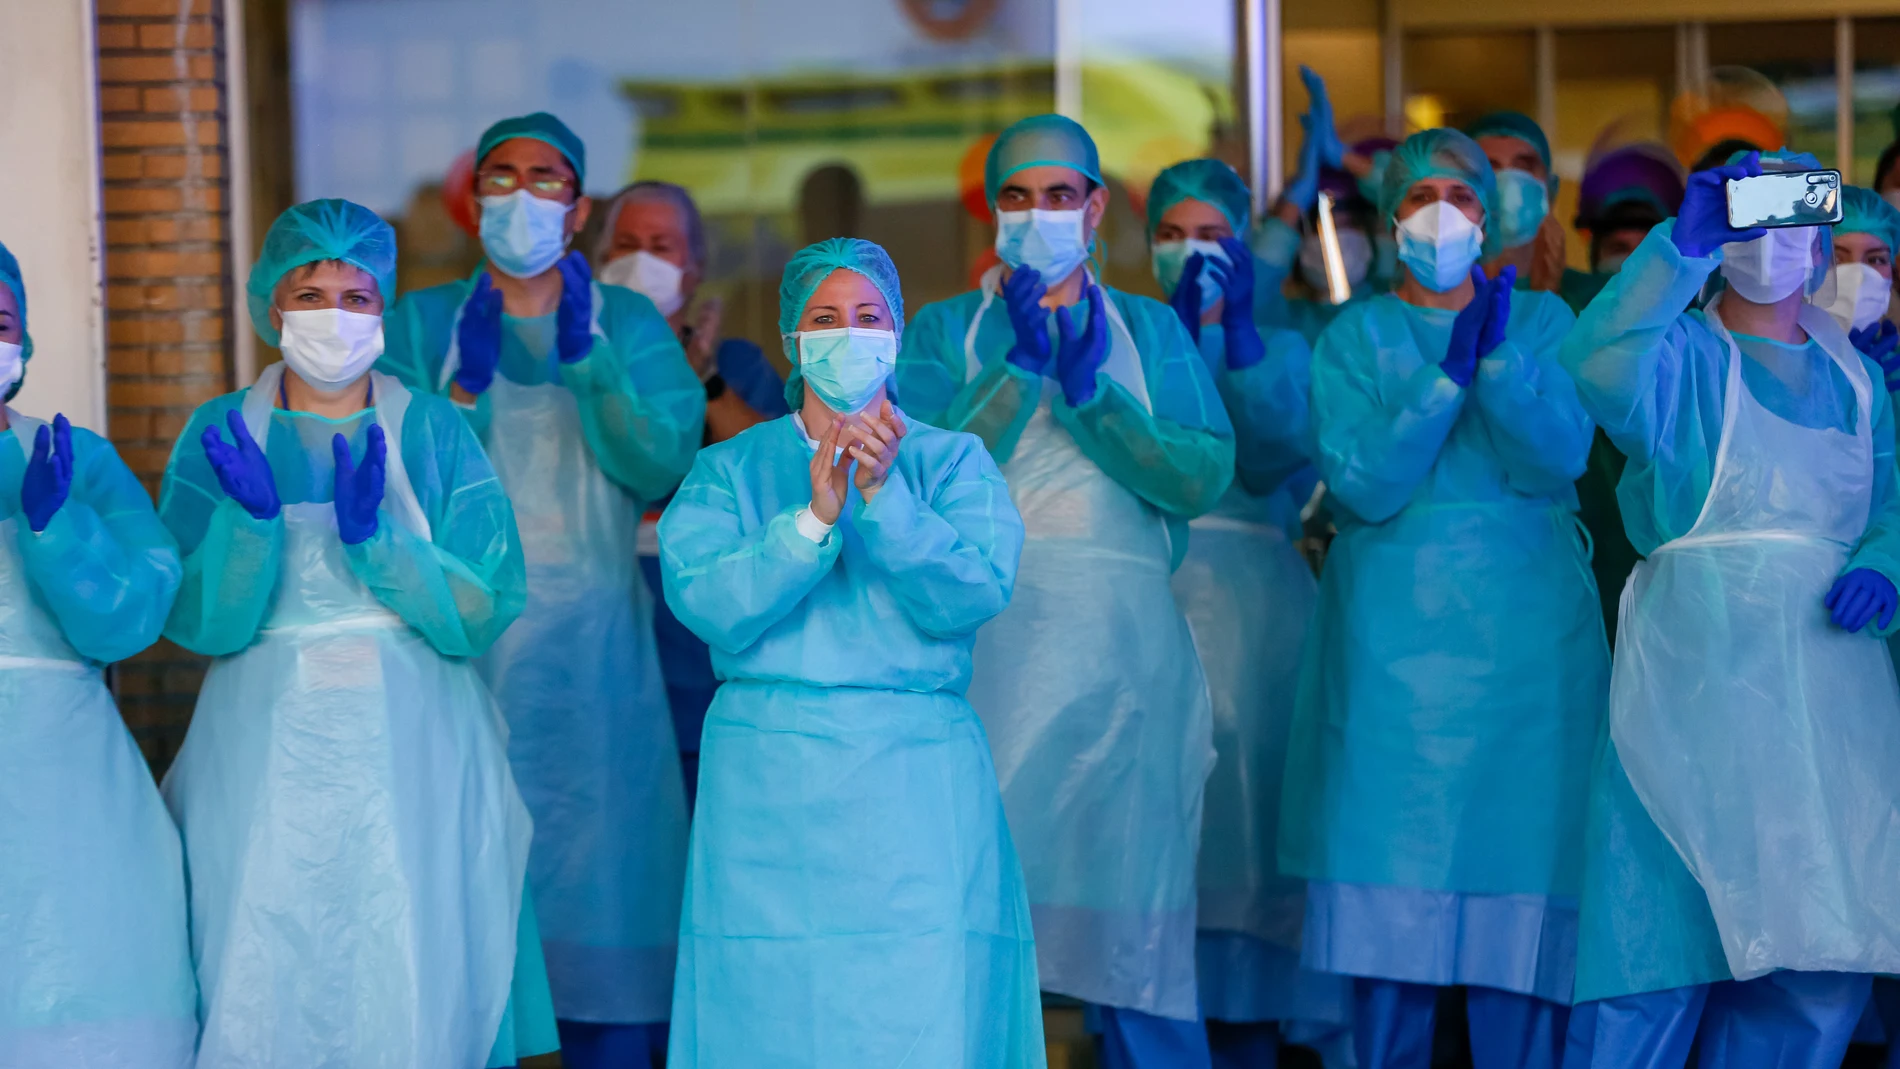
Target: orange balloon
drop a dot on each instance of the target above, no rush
(970, 179)
(458, 193)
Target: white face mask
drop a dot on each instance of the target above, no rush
(1772, 266)
(1438, 243)
(1051, 243)
(523, 234)
(644, 273)
(330, 348)
(1855, 295)
(12, 365)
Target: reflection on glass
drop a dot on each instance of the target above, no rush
(1797, 58)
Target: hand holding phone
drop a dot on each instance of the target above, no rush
(1785, 198)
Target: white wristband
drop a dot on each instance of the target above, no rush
(811, 526)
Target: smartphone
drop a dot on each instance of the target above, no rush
(1785, 198)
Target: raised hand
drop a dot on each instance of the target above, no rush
(1461, 355)
(874, 438)
(359, 488)
(574, 316)
(1186, 300)
(830, 475)
(478, 337)
(1702, 222)
(1496, 296)
(49, 474)
(1081, 354)
(242, 471)
(1022, 297)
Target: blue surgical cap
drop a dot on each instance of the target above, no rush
(11, 278)
(1864, 212)
(809, 267)
(1513, 124)
(1441, 153)
(1210, 181)
(537, 127)
(1040, 141)
(320, 230)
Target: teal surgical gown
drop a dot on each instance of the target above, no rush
(1277, 251)
(853, 895)
(581, 449)
(356, 846)
(1454, 679)
(1089, 685)
(1248, 596)
(95, 962)
(1656, 376)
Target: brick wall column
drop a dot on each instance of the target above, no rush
(168, 302)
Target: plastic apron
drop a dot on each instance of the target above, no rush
(591, 733)
(1098, 715)
(95, 969)
(1763, 740)
(356, 845)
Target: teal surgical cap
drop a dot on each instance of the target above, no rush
(809, 267)
(314, 231)
(1864, 212)
(11, 278)
(1210, 181)
(1441, 153)
(1040, 141)
(1513, 124)
(538, 127)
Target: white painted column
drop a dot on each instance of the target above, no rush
(51, 217)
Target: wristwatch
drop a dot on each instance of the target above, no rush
(715, 387)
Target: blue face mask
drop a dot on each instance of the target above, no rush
(1523, 201)
(845, 366)
(523, 234)
(1438, 244)
(1052, 244)
(1170, 260)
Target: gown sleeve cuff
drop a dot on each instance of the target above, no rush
(813, 528)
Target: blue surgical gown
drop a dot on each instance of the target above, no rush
(1656, 376)
(1455, 677)
(581, 448)
(853, 896)
(93, 937)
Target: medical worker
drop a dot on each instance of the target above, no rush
(1112, 436)
(1292, 289)
(1527, 237)
(355, 843)
(95, 962)
(653, 242)
(853, 897)
(1743, 863)
(1247, 594)
(1453, 679)
(1859, 286)
(588, 410)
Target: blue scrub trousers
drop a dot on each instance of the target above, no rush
(1393, 1023)
(1244, 1044)
(1785, 1020)
(1135, 1040)
(585, 1045)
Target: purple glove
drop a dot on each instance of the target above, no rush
(1859, 596)
(1702, 221)
(1022, 298)
(1242, 335)
(1880, 343)
(478, 337)
(1496, 295)
(574, 318)
(1186, 300)
(1461, 355)
(359, 490)
(241, 468)
(49, 474)
(1079, 357)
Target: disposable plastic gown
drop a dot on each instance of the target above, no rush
(1453, 682)
(1248, 596)
(356, 845)
(581, 448)
(1658, 379)
(853, 896)
(1089, 685)
(93, 935)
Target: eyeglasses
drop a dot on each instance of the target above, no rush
(502, 183)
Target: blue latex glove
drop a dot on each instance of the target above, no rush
(1186, 301)
(574, 317)
(1023, 292)
(1881, 344)
(241, 469)
(1079, 357)
(1497, 297)
(1859, 596)
(1461, 355)
(359, 490)
(1302, 190)
(1702, 223)
(49, 474)
(1242, 335)
(1319, 122)
(479, 337)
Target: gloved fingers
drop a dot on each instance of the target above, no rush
(42, 446)
(215, 449)
(240, 432)
(378, 449)
(1191, 271)
(340, 452)
(575, 265)
(1098, 316)
(1834, 593)
(1063, 332)
(1022, 280)
(1855, 607)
